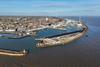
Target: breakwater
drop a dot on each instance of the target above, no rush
(63, 38)
(13, 53)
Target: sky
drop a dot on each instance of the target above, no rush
(50, 7)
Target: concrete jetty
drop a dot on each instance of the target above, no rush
(63, 39)
(13, 53)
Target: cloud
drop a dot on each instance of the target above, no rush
(50, 7)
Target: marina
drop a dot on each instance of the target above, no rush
(64, 38)
(21, 27)
(61, 39)
(49, 33)
(79, 52)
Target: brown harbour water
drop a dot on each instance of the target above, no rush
(84, 52)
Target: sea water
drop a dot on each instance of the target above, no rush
(84, 52)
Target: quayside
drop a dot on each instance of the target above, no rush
(62, 39)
